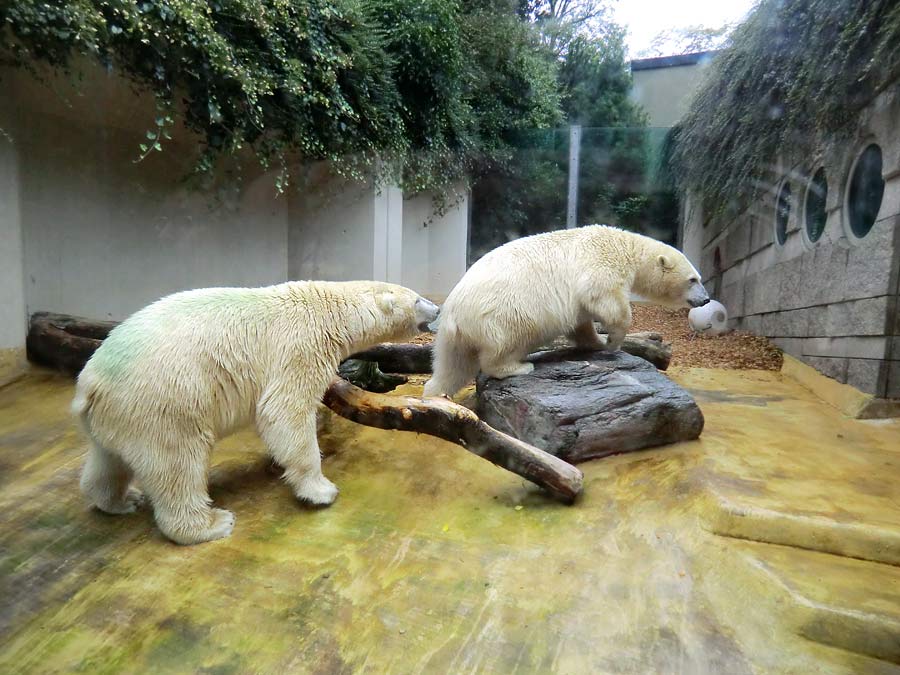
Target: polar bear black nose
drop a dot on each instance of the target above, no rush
(426, 314)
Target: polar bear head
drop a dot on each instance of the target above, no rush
(668, 278)
(400, 313)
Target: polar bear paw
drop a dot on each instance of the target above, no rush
(222, 524)
(318, 491)
(129, 503)
(501, 372)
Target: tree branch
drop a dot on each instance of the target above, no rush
(452, 422)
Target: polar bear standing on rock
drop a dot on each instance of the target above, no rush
(195, 366)
(532, 290)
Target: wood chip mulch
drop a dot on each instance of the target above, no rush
(736, 350)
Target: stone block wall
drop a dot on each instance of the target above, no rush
(833, 303)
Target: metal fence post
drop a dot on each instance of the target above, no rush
(574, 155)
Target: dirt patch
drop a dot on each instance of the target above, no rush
(737, 350)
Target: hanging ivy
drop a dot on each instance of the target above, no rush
(349, 81)
(794, 71)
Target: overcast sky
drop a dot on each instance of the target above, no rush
(645, 19)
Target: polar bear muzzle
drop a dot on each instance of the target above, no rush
(697, 295)
(426, 313)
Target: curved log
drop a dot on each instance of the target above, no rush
(452, 422)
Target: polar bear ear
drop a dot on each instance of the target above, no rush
(665, 263)
(386, 302)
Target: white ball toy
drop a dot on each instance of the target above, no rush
(711, 319)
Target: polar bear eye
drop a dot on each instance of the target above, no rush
(693, 280)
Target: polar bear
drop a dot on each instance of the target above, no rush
(534, 289)
(194, 366)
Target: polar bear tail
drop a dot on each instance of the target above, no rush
(84, 398)
(454, 362)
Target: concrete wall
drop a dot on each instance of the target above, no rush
(664, 86)
(12, 293)
(103, 236)
(434, 249)
(340, 230)
(331, 233)
(87, 230)
(833, 304)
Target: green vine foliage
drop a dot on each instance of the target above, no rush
(795, 70)
(349, 81)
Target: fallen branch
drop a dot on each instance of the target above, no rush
(452, 422)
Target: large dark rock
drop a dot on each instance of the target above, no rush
(581, 405)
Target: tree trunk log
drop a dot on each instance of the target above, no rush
(64, 342)
(398, 358)
(452, 422)
(415, 358)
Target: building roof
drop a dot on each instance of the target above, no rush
(672, 61)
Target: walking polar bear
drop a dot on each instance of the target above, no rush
(532, 290)
(195, 366)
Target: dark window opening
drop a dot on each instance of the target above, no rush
(866, 191)
(816, 195)
(782, 213)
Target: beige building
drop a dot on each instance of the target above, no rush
(664, 85)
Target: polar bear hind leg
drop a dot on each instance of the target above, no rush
(455, 363)
(106, 482)
(501, 364)
(177, 484)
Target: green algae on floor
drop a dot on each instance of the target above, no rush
(433, 560)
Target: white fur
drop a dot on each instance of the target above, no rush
(534, 289)
(195, 366)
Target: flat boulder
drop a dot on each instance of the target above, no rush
(581, 405)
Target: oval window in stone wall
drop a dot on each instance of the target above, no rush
(814, 208)
(864, 192)
(782, 213)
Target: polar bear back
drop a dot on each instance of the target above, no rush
(207, 357)
(538, 284)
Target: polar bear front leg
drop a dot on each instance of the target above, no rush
(585, 336)
(290, 436)
(614, 312)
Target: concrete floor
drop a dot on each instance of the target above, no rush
(434, 561)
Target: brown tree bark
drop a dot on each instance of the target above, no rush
(452, 422)
(416, 358)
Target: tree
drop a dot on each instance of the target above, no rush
(794, 72)
(689, 40)
(617, 182)
(350, 81)
(560, 21)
